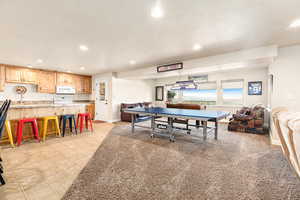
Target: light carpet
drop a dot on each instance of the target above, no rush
(236, 166)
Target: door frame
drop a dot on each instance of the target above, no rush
(106, 102)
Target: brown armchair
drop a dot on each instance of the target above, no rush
(248, 120)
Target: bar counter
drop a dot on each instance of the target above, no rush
(39, 111)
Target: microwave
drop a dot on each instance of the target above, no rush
(65, 90)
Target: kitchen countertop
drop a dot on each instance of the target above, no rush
(48, 105)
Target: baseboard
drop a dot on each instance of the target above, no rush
(109, 121)
(114, 120)
(98, 121)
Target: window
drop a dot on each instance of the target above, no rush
(229, 92)
(232, 92)
(204, 97)
(205, 94)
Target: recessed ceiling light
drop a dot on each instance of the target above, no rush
(132, 62)
(295, 24)
(83, 48)
(82, 68)
(157, 11)
(39, 61)
(30, 66)
(197, 47)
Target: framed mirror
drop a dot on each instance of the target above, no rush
(159, 93)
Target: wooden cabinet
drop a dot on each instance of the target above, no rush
(88, 85)
(46, 82)
(83, 84)
(13, 74)
(29, 76)
(91, 109)
(20, 75)
(2, 77)
(78, 85)
(64, 79)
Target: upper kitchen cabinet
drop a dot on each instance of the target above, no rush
(64, 79)
(29, 76)
(2, 77)
(88, 85)
(20, 75)
(78, 84)
(13, 74)
(46, 82)
(83, 84)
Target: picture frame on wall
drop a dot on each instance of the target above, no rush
(170, 67)
(255, 88)
(159, 93)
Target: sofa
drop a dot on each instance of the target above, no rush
(287, 125)
(248, 120)
(126, 117)
(185, 106)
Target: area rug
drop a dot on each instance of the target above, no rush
(236, 166)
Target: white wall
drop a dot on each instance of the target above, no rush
(286, 78)
(32, 94)
(286, 81)
(130, 91)
(123, 91)
(256, 74)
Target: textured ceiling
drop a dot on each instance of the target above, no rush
(117, 31)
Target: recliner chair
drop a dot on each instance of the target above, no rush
(248, 120)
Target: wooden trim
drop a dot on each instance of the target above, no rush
(99, 121)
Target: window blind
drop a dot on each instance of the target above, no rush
(232, 84)
(207, 85)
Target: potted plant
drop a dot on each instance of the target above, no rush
(170, 95)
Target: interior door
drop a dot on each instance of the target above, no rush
(101, 103)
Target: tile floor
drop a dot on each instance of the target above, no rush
(36, 171)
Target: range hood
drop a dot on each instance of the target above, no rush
(65, 90)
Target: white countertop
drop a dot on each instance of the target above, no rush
(48, 105)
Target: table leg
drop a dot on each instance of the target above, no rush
(170, 130)
(152, 126)
(197, 124)
(216, 130)
(132, 123)
(204, 130)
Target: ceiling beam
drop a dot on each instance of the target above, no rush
(262, 56)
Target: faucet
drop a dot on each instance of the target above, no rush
(21, 99)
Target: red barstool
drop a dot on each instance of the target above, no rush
(84, 117)
(20, 129)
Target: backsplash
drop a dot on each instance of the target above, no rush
(33, 95)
